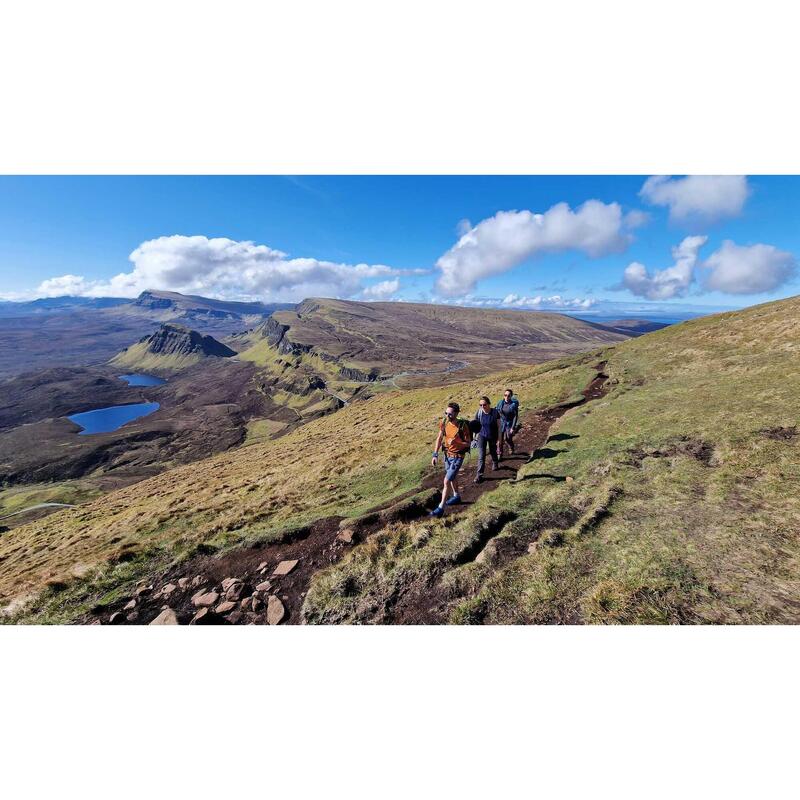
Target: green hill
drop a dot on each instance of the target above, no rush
(673, 498)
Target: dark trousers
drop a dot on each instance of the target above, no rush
(506, 438)
(482, 442)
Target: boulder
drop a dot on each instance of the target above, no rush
(205, 600)
(183, 583)
(345, 536)
(246, 603)
(276, 611)
(198, 580)
(168, 589)
(235, 591)
(130, 605)
(285, 567)
(228, 582)
(264, 586)
(166, 617)
(205, 616)
(225, 607)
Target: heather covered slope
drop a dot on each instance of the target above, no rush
(673, 498)
(413, 343)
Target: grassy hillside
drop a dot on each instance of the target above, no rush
(683, 504)
(671, 499)
(413, 341)
(341, 464)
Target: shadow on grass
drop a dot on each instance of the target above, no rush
(557, 478)
(561, 437)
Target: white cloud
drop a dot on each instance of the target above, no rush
(381, 291)
(499, 243)
(664, 284)
(553, 302)
(222, 268)
(750, 269)
(703, 198)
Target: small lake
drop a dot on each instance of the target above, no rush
(103, 420)
(139, 379)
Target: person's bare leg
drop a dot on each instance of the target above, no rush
(444, 492)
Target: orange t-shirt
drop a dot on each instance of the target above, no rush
(454, 444)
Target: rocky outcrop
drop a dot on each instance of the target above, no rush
(173, 339)
(353, 374)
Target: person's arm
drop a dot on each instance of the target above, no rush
(436, 448)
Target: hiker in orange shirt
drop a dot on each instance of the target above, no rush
(456, 436)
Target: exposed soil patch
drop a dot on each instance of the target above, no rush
(780, 434)
(322, 544)
(685, 446)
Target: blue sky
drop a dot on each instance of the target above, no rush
(400, 237)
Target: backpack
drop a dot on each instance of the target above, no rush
(461, 440)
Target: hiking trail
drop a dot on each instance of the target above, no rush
(273, 579)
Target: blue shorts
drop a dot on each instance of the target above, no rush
(452, 464)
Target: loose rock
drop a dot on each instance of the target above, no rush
(228, 582)
(205, 616)
(205, 600)
(198, 580)
(116, 618)
(345, 536)
(130, 605)
(264, 586)
(166, 617)
(285, 567)
(225, 607)
(183, 583)
(168, 589)
(276, 611)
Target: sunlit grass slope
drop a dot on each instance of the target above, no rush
(683, 504)
(344, 463)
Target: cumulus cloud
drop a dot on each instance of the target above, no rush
(703, 198)
(381, 291)
(749, 269)
(554, 301)
(664, 284)
(499, 243)
(222, 268)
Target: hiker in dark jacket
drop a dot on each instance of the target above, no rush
(508, 408)
(489, 420)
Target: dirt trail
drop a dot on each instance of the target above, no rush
(324, 542)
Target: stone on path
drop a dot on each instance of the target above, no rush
(168, 589)
(166, 617)
(285, 567)
(345, 536)
(276, 611)
(116, 618)
(264, 586)
(205, 600)
(228, 582)
(130, 605)
(183, 583)
(225, 607)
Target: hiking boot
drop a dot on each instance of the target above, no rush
(496, 466)
(453, 501)
(437, 512)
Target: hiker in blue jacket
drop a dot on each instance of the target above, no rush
(487, 435)
(508, 408)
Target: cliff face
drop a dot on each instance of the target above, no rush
(171, 339)
(171, 348)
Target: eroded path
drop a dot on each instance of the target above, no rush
(268, 583)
